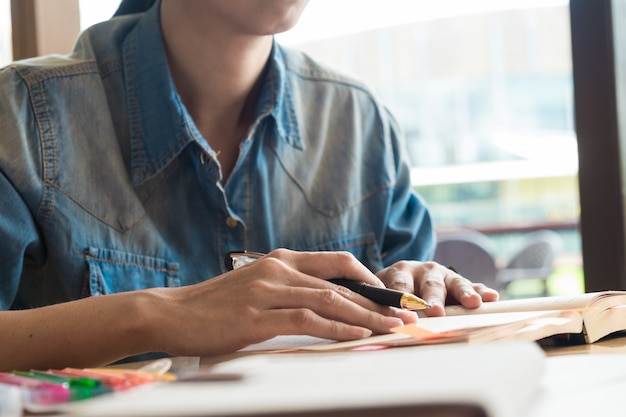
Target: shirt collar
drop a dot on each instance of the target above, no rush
(160, 125)
(277, 98)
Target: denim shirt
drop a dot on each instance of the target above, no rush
(106, 184)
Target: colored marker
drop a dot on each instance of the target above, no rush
(36, 391)
(80, 388)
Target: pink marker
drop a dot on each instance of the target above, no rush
(38, 392)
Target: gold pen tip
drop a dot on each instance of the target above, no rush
(413, 302)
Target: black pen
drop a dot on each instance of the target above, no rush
(383, 296)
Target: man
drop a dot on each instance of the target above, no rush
(171, 137)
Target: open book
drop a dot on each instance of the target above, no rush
(599, 313)
(467, 329)
(591, 315)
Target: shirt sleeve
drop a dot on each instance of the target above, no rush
(19, 238)
(17, 234)
(410, 233)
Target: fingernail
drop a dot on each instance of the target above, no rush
(361, 332)
(407, 316)
(391, 322)
(434, 302)
(468, 294)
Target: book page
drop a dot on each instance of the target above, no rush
(565, 302)
(448, 323)
(526, 325)
(286, 343)
(604, 321)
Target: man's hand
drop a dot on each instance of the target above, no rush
(436, 284)
(282, 293)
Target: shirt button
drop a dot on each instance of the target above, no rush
(231, 222)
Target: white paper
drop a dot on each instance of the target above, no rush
(500, 377)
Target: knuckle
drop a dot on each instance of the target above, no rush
(345, 256)
(253, 316)
(345, 292)
(301, 317)
(457, 281)
(402, 265)
(399, 283)
(334, 327)
(280, 253)
(261, 329)
(328, 297)
(271, 265)
(430, 265)
(434, 283)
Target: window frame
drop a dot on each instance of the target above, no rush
(42, 27)
(597, 47)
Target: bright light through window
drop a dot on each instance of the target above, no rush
(92, 12)
(330, 18)
(6, 50)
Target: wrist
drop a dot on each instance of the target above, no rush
(151, 318)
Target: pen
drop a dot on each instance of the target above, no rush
(384, 296)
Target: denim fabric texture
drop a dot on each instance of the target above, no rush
(106, 185)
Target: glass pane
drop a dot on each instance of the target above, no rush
(92, 12)
(6, 40)
(483, 90)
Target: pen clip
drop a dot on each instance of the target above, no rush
(159, 366)
(237, 259)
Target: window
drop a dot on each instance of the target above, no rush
(484, 93)
(6, 49)
(92, 12)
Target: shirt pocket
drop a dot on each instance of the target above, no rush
(113, 271)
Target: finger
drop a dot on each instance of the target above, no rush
(462, 290)
(326, 265)
(399, 278)
(407, 316)
(283, 289)
(340, 304)
(432, 288)
(306, 322)
(287, 279)
(429, 284)
(487, 294)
